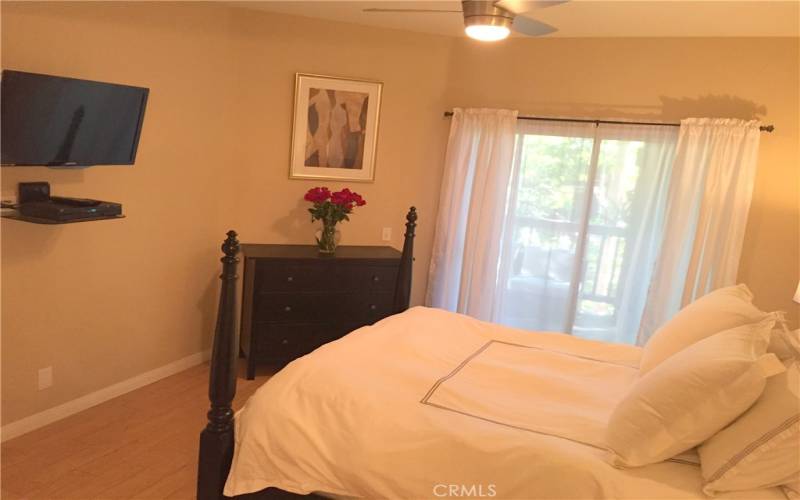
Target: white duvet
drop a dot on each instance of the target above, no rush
(431, 404)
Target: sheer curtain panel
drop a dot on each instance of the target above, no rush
(469, 226)
(709, 199)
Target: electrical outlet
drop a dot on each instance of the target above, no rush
(45, 377)
(386, 235)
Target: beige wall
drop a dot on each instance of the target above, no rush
(105, 301)
(666, 80)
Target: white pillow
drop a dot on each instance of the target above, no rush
(785, 344)
(691, 396)
(762, 447)
(719, 310)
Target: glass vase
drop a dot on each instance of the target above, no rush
(328, 237)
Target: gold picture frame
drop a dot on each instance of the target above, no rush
(335, 128)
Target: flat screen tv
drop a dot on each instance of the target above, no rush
(56, 121)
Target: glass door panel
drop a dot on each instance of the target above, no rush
(544, 224)
(618, 172)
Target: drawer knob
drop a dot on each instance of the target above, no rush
(376, 279)
(290, 279)
(372, 307)
(287, 309)
(284, 341)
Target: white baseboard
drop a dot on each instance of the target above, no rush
(64, 410)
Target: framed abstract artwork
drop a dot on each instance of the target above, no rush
(335, 129)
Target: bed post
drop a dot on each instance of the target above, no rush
(402, 293)
(216, 440)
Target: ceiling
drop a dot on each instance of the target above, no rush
(577, 18)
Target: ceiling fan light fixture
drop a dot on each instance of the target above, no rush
(485, 21)
(487, 32)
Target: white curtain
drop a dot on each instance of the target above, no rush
(603, 231)
(644, 225)
(463, 272)
(709, 199)
(584, 226)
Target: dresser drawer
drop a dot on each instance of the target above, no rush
(374, 278)
(285, 341)
(276, 276)
(279, 347)
(303, 306)
(323, 277)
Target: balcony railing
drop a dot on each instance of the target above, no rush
(602, 275)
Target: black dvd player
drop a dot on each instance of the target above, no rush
(58, 208)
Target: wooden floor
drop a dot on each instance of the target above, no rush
(140, 445)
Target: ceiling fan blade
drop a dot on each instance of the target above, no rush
(531, 27)
(520, 6)
(426, 11)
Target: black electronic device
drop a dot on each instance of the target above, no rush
(56, 121)
(36, 202)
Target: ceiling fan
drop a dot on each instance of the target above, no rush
(490, 21)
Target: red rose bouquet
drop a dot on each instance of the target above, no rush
(331, 208)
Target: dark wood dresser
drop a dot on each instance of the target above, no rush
(295, 300)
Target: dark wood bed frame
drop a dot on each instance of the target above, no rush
(216, 440)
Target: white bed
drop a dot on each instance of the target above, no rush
(430, 404)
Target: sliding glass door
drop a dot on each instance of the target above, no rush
(584, 216)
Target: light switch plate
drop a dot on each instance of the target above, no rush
(386, 235)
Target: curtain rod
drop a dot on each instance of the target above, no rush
(763, 128)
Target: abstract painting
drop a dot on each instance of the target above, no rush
(335, 128)
(336, 123)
